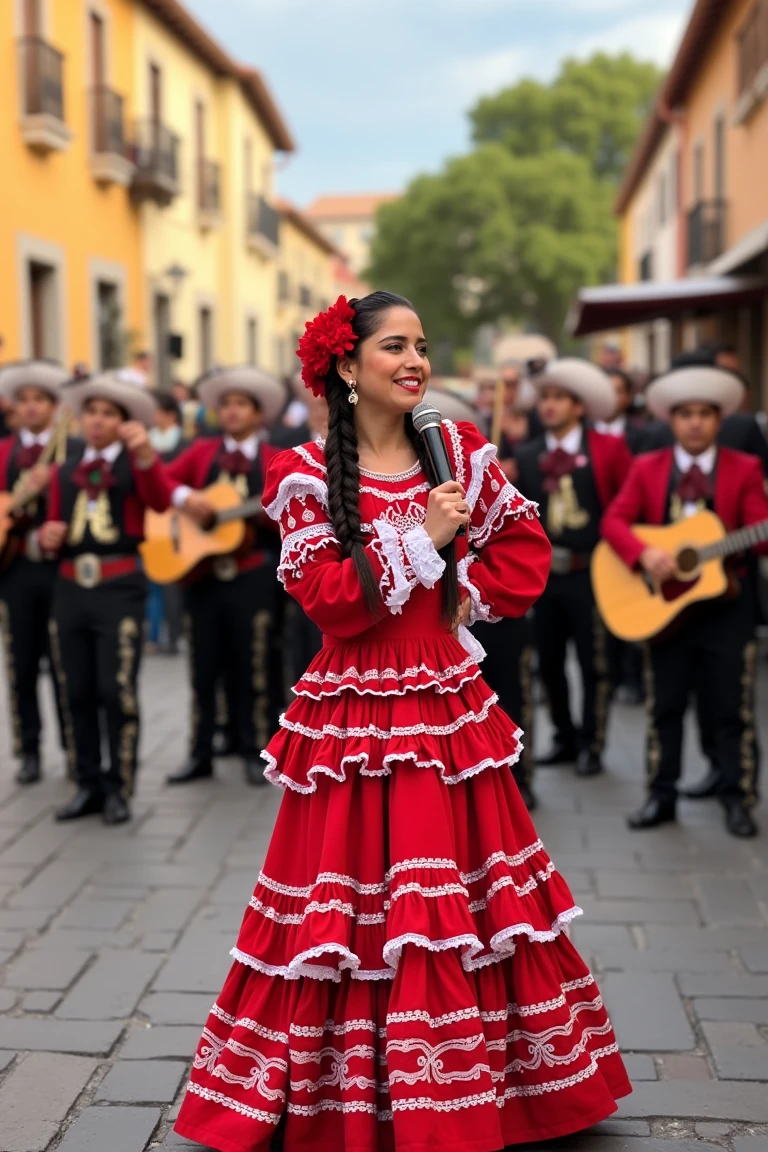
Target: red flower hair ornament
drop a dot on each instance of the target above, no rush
(329, 334)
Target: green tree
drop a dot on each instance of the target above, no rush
(515, 227)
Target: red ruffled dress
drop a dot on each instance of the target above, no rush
(402, 979)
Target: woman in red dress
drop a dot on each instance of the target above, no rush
(402, 979)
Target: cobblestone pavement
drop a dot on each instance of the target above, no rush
(113, 944)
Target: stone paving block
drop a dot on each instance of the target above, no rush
(11, 940)
(639, 1066)
(750, 1143)
(647, 1012)
(236, 887)
(6, 1059)
(711, 1130)
(643, 885)
(737, 985)
(640, 911)
(89, 939)
(88, 912)
(142, 1082)
(31, 1116)
(684, 1066)
(708, 939)
(112, 848)
(198, 874)
(176, 1007)
(54, 886)
(199, 964)
(40, 1002)
(7, 999)
(46, 968)
(739, 1052)
(87, 1038)
(111, 988)
(176, 1143)
(163, 942)
(595, 936)
(37, 845)
(116, 1129)
(622, 1128)
(752, 1011)
(168, 910)
(715, 1100)
(755, 956)
(25, 919)
(214, 834)
(161, 1043)
(727, 900)
(662, 960)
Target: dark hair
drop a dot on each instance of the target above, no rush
(168, 403)
(343, 462)
(625, 378)
(124, 413)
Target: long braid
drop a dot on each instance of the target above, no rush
(450, 579)
(343, 463)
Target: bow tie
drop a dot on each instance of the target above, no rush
(235, 463)
(27, 457)
(694, 485)
(94, 477)
(554, 465)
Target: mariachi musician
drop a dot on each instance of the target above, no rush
(713, 650)
(573, 473)
(96, 523)
(230, 601)
(27, 576)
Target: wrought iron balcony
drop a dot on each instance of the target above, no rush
(110, 157)
(706, 232)
(263, 225)
(42, 95)
(155, 154)
(209, 193)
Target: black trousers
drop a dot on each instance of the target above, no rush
(230, 629)
(96, 640)
(567, 611)
(508, 669)
(26, 596)
(714, 652)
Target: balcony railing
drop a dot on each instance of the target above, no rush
(263, 224)
(706, 232)
(305, 296)
(42, 94)
(208, 190)
(646, 266)
(155, 154)
(110, 155)
(283, 288)
(752, 42)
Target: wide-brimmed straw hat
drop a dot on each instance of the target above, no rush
(44, 374)
(585, 381)
(695, 384)
(137, 401)
(266, 390)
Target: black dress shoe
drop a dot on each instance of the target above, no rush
(738, 820)
(527, 795)
(194, 769)
(116, 810)
(254, 771)
(708, 786)
(653, 813)
(559, 754)
(588, 764)
(83, 803)
(29, 769)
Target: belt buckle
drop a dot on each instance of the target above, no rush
(225, 568)
(87, 570)
(561, 561)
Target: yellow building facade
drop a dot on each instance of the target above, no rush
(305, 281)
(69, 231)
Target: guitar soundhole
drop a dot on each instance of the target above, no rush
(687, 561)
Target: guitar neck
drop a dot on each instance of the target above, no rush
(243, 511)
(47, 455)
(736, 541)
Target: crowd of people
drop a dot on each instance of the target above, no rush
(85, 457)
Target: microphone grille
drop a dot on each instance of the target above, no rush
(425, 415)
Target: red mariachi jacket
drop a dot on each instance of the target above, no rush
(6, 447)
(611, 462)
(193, 465)
(740, 498)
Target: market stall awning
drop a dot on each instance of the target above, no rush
(620, 305)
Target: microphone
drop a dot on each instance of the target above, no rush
(429, 424)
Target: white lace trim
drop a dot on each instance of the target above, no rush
(471, 644)
(273, 774)
(478, 462)
(413, 1104)
(384, 1114)
(371, 730)
(235, 1105)
(396, 583)
(393, 477)
(423, 557)
(297, 485)
(338, 1029)
(478, 610)
(437, 680)
(251, 1025)
(393, 497)
(509, 502)
(308, 458)
(546, 1086)
(459, 466)
(299, 547)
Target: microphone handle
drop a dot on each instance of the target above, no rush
(438, 458)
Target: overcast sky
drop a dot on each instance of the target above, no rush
(376, 91)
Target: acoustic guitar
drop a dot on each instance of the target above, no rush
(14, 503)
(634, 606)
(174, 543)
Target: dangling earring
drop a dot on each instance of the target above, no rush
(353, 396)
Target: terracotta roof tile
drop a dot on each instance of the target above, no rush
(361, 206)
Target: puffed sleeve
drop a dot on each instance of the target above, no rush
(507, 565)
(312, 566)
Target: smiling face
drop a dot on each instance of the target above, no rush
(391, 367)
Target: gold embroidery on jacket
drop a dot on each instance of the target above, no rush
(96, 515)
(239, 482)
(563, 509)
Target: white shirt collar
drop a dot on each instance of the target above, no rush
(571, 442)
(616, 427)
(249, 447)
(29, 439)
(109, 454)
(706, 461)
